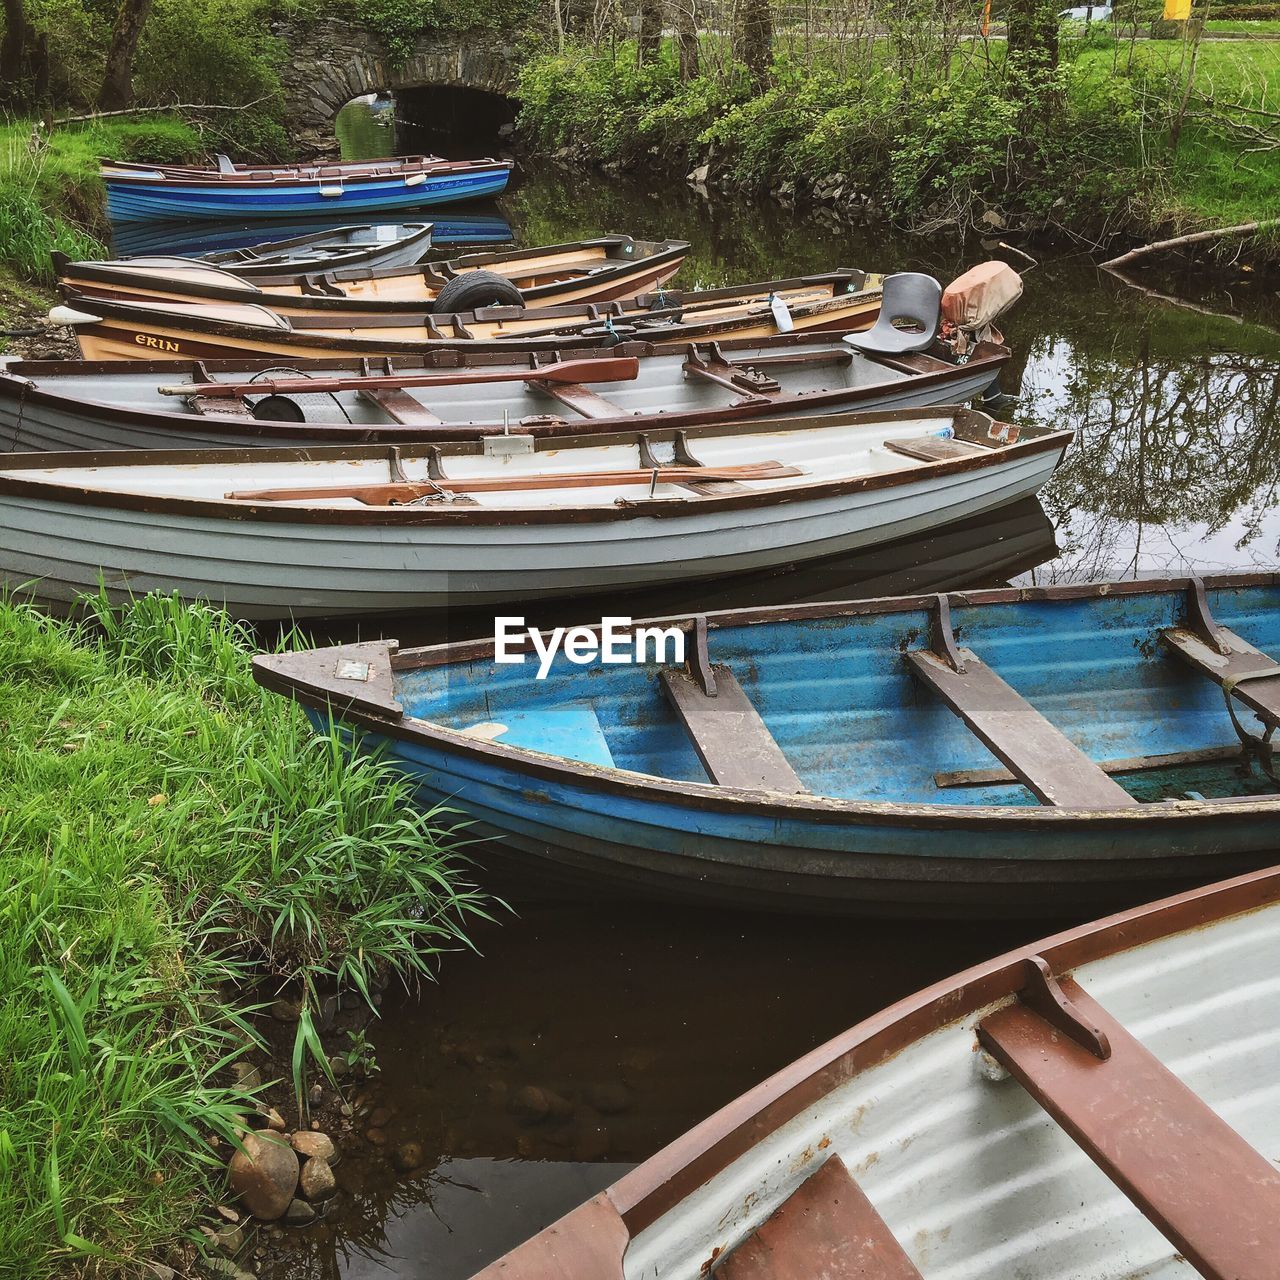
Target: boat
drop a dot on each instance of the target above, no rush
(352, 531)
(138, 192)
(366, 246)
(1010, 751)
(1099, 1104)
(193, 240)
(447, 394)
(110, 328)
(595, 270)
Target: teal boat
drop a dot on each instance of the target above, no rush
(1016, 750)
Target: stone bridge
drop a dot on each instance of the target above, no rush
(332, 61)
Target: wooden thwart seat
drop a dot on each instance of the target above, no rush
(590, 404)
(933, 448)
(400, 406)
(1214, 1197)
(826, 1230)
(1260, 695)
(733, 743)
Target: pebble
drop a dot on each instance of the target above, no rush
(299, 1213)
(316, 1095)
(246, 1075)
(379, 1116)
(271, 1118)
(317, 1181)
(408, 1156)
(314, 1145)
(377, 1136)
(286, 1010)
(533, 1103)
(227, 1213)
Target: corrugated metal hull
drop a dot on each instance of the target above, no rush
(971, 1176)
(136, 201)
(268, 569)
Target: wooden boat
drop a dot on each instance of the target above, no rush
(194, 240)
(364, 246)
(108, 328)
(1017, 750)
(350, 531)
(140, 192)
(582, 271)
(1100, 1104)
(116, 404)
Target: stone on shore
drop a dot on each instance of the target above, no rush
(264, 1174)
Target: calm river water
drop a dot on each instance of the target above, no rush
(642, 1020)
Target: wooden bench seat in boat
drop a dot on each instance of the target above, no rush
(933, 448)
(221, 407)
(400, 406)
(826, 1230)
(1039, 754)
(1260, 693)
(1210, 1193)
(732, 741)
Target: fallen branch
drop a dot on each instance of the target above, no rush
(1195, 237)
(140, 111)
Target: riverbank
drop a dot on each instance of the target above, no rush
(1122, 140)
(181, 851)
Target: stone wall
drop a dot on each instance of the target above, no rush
(332, 61)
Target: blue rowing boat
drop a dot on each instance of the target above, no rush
(145, 192)
(985, 752)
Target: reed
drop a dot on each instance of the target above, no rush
(172, 835)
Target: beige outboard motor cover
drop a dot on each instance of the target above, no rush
(971, 302)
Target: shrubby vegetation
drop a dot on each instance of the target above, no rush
(933, 129)
(171, 833)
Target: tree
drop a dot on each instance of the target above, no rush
(686, 26)
(117, 84)
(753, 39)
(649, 40)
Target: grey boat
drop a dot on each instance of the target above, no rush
(166, 404)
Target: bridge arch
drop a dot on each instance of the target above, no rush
(334, 60)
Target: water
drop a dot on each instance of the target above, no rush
(641, 1021)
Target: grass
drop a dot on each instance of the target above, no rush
(50, 194)
(171, 832)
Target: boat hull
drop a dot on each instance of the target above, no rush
(272, 568)
(139, 201)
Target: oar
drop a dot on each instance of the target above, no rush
(383, 495)
(606, 369)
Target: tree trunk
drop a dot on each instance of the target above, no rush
(649, 41)
(117, 84)
(753, 39)
(1033, 34)
(686, 25)
(13, 50)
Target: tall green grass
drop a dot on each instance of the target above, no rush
(50, 194)
(170, 833)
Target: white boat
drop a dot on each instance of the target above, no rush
(366, 529)
(1101, 1105)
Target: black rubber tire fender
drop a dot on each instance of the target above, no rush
(476, 288)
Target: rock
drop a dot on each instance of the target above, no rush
(286, 1010)
(225, 1238)
(227, 1213)
(533, 1103)
(609, 1099)
(377, 1136)
(993, 219)
(408, 1156)
(339, 1067)
(246, 1075)
(158, 1271)
(314, 1146)
(264, 1174)
(316, 1095)
(222, 1269)
(270, 1118)
(699, 175)
(317, 1181)
(299, 1213)
(379, 1116)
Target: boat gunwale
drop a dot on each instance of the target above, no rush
(839, 400)
(286, 674)
(1032, 441)
(211, 257)
(175, 176)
